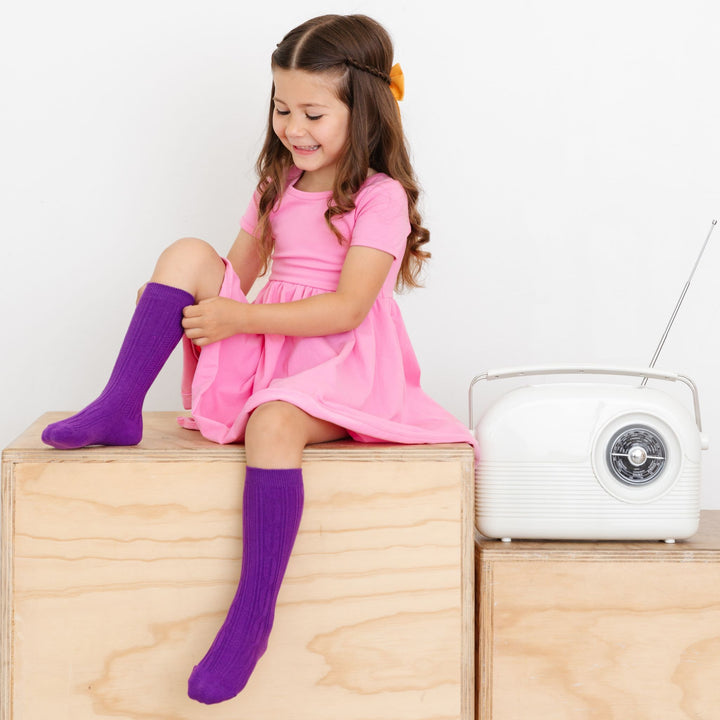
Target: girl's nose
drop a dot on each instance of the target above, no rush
(294, 127)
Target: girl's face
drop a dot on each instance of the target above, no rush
(312, 123)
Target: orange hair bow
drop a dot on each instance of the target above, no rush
(397, 82)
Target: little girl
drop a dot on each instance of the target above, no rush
(322, 353)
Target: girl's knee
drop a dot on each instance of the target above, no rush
(275, 435)
(191, 249)
(193, 265)
(272, 423)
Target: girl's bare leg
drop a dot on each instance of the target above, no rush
(191, 265)
(277, 433)
(272, 508)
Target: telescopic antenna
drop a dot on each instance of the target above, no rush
(679, 303)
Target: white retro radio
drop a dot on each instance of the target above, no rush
(589, 460)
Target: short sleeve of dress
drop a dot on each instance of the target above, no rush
(249, 220)
(381, 217)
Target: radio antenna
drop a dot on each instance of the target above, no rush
(679, 303)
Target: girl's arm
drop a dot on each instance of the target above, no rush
(363, 274)
(244, 258)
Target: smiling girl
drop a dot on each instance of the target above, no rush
(322, 354)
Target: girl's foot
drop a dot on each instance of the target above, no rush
(100, 423)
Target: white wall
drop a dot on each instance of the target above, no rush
(568, 152)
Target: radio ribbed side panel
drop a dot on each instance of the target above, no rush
(562, 491)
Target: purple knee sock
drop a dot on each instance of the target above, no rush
(272, 508)
(115, 417)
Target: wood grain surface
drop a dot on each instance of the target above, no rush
(119, 565)
(600, 631)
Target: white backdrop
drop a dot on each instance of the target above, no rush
(568, 151)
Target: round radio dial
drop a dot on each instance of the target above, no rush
(636, 455)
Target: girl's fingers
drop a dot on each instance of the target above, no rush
(192, 316)
(197, 335)
(193, 329)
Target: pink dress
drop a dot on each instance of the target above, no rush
(366, 380)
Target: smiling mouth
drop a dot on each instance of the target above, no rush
(306, 148)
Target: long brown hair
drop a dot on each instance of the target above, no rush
(358, 52)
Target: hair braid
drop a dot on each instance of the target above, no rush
(368, 69)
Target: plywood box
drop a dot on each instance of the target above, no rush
(600, 631)
(119, 564)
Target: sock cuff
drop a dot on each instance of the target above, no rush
(158, 290)
(273, 478)
(273, 502)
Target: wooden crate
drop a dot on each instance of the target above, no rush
(119, 565)
(600, 631)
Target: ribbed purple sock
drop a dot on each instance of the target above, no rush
(115, 417)
(272, 508)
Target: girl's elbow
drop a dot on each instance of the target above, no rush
(353, 318)
(348, 311)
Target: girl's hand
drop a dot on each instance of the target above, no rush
(212, 320)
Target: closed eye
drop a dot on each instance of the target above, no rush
(287, 112)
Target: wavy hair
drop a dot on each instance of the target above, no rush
(358, 52)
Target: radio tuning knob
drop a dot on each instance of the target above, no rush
(637, 455)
